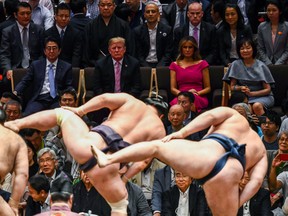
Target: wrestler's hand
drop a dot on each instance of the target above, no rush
(12, 125)
(75, 110)
(175, 135)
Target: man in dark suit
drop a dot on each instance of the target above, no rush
(154, 44)
(185, 198)
(79, 19)
(71, 48)
(171, 13)
(101, 30)
(203, 32)
(117, 72)
(21, 42)
(47, 76)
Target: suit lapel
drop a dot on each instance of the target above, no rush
(18, 36)
(269, 35)
(278, 35)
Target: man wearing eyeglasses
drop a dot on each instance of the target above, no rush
(71, 38)
(47, 77)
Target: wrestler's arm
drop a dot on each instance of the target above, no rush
(257, 175)
(135, 168)
(5, 208)
(203, 121)
(21, 175)
(107, 100)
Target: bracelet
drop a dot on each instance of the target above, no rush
(13, 203)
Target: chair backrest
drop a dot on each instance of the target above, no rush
(216, 84)
(88, 84)
(145, 73)
(163, 78)
(77, 81)
(226, 91)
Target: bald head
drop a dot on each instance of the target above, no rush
(176, 116)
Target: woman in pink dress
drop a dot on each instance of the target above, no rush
(190, 73)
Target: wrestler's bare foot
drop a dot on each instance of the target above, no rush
(102, 159)
(13, 125)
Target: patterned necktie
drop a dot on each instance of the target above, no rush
(181, 17)
(195, 34)
(51, 81)
(117, 77)
(26, 55)
(62, 34)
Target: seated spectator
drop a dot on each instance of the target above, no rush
(237, 97)
(190, 73)
(6, 96)
(270, 128)
(47, 77)
(240, 73)
(13, 110)
(41, 15)
(145, 178)
(185, 198)
(153, 39)
(47, 160)
(39, 199)
(61, 193)
(217, 13)
(186, 100)
(92, 8)
(32, 159)
(34, 136)
(117, 72)
(259, 204)
(70, 38)
(163, 181)
(273, 35)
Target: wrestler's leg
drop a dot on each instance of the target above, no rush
(5, 208)
(222, 191)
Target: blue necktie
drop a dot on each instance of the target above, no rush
(181, 20)
(26, 55)
(51, 81)
(62, 34)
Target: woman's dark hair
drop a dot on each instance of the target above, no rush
(196, 55)
(240, 21)
(280, 7)
(249, 42)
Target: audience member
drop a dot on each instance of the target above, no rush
(41, 15)
(145, 178)
(71, 40)
(175, 13)
(61, 199)
(203, 32)
(117, 72)
(10, 8)
(13, 110)
(270, 128)
(231, 33)
(21, 42)
(153, 39)
(259, 204)
(32, 159)
(238, 97)
(186, 100)
(101, 30)
(252, 77)
(34, 136)
(49, 5)
(79, 19)
(217, 13)
(163, 181)
(185, 198)
(47, 76)
(6, 96)
(47, 161)
(39, 199)
(273, 35)
(190, 73)
(92, 9)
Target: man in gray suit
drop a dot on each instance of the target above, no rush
(21, 42)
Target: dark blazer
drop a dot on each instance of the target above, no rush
(105, 78)
(36, 75)
(71, 45)
(10, 21)
(259, 204)
(207, 40)
(11, 50)
(79, 21)
(169, 14)
(197, 201)
(164, 44)
(224, 41)
(162, 183)
(32, 207)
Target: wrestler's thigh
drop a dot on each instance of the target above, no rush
(5, 208)
(108, 183)
(222, 191)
